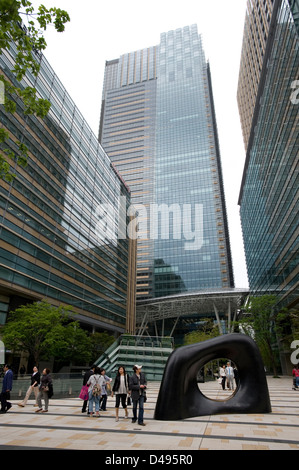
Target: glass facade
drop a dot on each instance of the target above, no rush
(256, 32)
(51, 246)
(127, 133)
(158, 126)
(269, 193)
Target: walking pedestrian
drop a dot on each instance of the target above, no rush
(6, 389)
(45, 391)
(33, 387)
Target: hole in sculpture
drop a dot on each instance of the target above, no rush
(218, 379)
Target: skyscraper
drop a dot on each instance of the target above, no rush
(256, 32)
(51, 241)
(269, 190)
(158, 126)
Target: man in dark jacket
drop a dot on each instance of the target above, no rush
(137, 385)
(6, 389)
(87, 374)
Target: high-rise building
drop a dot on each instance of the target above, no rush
(52, 245)
(269, 192)
(256, 31)
(158, 126)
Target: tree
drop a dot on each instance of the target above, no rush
(22, 25)
(69, 342)
(99, 343)
(43, 331)
(206, 330)
(262, 322)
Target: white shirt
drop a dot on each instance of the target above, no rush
(229, 371)
(122, 385)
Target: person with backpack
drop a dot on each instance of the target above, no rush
(95, 383)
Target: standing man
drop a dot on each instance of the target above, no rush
(137, 385)
(229, 372)
(6, 389)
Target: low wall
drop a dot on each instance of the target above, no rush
(64, 385)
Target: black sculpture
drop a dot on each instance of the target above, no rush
(179, 396)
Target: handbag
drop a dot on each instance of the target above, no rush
(84, 393)
(50, 391)
(129, 401)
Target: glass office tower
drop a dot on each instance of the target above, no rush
(158, 126)
(269, 191)
(52, 245)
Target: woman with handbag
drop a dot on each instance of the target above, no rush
(84, 390)
(45, 390)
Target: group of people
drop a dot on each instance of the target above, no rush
(41, 386)
(97, 385)
(228, 375)
(126, 388)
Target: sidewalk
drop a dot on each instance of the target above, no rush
(66, 427)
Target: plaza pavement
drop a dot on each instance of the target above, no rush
(66, 427)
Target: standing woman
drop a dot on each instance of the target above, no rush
(45, 390)
(222, 376)
(121, 389)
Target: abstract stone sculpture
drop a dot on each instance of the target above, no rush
(179, 396)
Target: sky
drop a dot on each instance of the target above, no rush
(104, 30)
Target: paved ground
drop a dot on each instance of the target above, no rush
(65, 427)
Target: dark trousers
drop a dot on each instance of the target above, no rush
(84, 406)
(4, 397)
(103, 402)
(121, 397)
(140, 401)
(223, 382)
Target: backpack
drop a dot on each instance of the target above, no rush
(97, 390)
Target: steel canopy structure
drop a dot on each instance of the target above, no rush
(224, 304)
